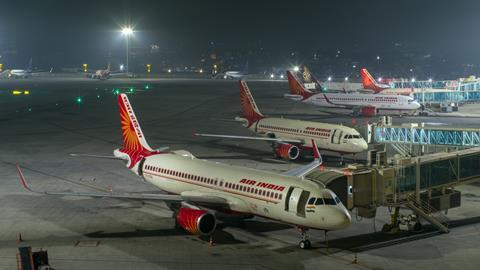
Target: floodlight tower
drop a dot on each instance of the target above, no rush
(127, 32)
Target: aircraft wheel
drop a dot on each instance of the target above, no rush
(305, 244)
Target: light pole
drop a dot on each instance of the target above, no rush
(127, 31)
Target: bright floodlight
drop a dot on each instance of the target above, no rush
(281, 76)
(329, 78)
(378, 57)
(413, 79)
(272, 76)
(346, 78)
(127, 31)
(430, 80)
(296, 68)
(380, 79)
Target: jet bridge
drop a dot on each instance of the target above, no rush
(419, 134)
(425, 184)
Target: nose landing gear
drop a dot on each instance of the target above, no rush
(304, 242)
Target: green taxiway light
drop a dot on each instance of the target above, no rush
(29, 109)
(79, 100)
(147, 87)
(131, 89)
(98, 96)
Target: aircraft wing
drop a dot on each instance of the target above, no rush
(41, 72)
(304, 170)
(200, 199)
(118, 74)
(279, 140)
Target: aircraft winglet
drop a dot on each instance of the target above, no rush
(316, 154)
(22, 179)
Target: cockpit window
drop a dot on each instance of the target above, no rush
(311, 201)
(319, 201)
(329, 201)
(337, 200)
(411, 100)
(328, 198)
(352, 137)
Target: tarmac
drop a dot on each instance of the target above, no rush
(41, 129)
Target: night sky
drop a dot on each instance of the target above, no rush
(56, 32)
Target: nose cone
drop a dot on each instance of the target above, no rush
(342, 219)
(359, 145)
(416, 105)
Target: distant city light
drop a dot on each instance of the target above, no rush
(296, 68)
(201, 70)
(413, 80)
(272, 76)
(346, 79)
(122, 67)
(329, 78)
(380, 79)
(378, 57)
(354, 66)
(430, 80)
(281, 76)
(169, 70)
(127, 31)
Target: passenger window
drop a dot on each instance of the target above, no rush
(337, 200)
(311, 201)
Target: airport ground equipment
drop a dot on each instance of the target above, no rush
(424, 184)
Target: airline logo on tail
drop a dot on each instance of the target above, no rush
(369, 82)
(296, 88)
(249, 108)
(134, 143)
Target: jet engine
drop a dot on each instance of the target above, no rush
(196, 221)
(287, 151)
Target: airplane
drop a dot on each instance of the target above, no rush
(235, 74)
(197, 189)
(362, 103)
(371, 84)
(104, 74)
(23, 73)
(290, 137)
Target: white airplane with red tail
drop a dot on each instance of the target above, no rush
(199, 188)
(365, 104)
(290, 137)
(371, 84)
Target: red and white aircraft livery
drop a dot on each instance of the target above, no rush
(289, 137)
(104, 74)
(367, 104)
(199, 188)
(370, 83)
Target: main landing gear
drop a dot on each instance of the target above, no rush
(304, 243)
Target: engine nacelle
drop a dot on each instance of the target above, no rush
(196, 221)
(287, 151)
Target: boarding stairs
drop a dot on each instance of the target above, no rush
(402, 149)
(426, 211)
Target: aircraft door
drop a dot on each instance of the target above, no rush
(337, 136)
(296, 201)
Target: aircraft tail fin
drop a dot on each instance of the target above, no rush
(296, 87)
(245, 68)
(369, 82)
(135, 146)
(250, 110)
(30, 66)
